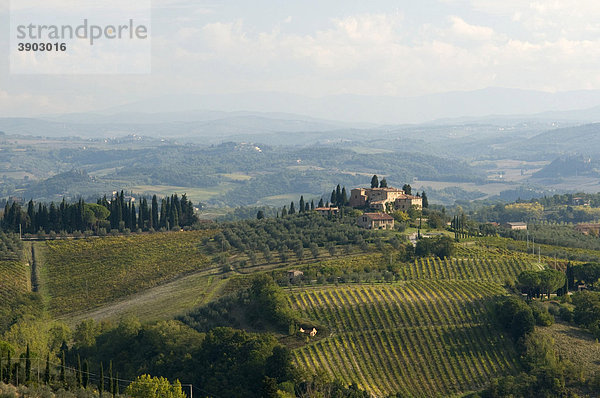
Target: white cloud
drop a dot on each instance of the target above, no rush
(546, 44)
(473, 32)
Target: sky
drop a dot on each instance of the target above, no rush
(322, 48)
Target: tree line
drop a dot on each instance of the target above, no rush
(118, 212)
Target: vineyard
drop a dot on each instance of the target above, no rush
(83, 274)
(420, 338)
(499, 269)
(13, 269)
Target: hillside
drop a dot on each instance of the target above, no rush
(420, 338)
(582, 139)
(15, 284)
(427, 335)
(83, 274)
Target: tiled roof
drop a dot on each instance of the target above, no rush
(378, 216)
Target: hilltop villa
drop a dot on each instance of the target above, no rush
(383, 199)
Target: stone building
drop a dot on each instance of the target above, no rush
(383, 199)
(375, 221)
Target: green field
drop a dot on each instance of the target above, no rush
(194, 194)
(83, 274)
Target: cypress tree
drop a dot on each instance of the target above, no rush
(177, 204)
(101, 381)
(133, 222)
(320, 203)
(283, 212)
(344, 197)
(292, 208)
(312, 204)
(154, 218)
(143, 216)
(47, 371)
(31, 215)
(338, 195)
(86, 374)
(333, 198)
(374, 181)
(79, 378)
(425, 201)
(9, 369)
(27, 364)
(383, 183)
(111, 381)
(306, 207)
(163, 214)
(62, 368)
(301, 205)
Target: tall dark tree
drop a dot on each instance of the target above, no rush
(111, 381)
(154, 220)
(425, 201)
(321, 204)
(133, 218)
(63, 365)
(27, 364)
(163, 215)
(31, 227)
(86, 374)
(301, 205)
(570, 277)
(101, 381)
(344, 197)
(8, 368)
(383, 183)
(47, 371)
(292, 208)
(407, 189)
(374, 181)
(338, 195)
(79, 371)
(312, 204)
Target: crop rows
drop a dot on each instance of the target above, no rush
(13, 279)
(493, 268)
(13, 269)
(85, 273)
(421, 338)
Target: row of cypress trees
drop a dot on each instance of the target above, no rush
(116, 213)
(12, 373)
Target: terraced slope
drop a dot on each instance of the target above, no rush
(83, 274)
(427, 336)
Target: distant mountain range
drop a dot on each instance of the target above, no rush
(583, 105)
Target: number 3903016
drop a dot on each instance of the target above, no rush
(42, 47)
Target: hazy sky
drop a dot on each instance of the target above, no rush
(320, 48)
